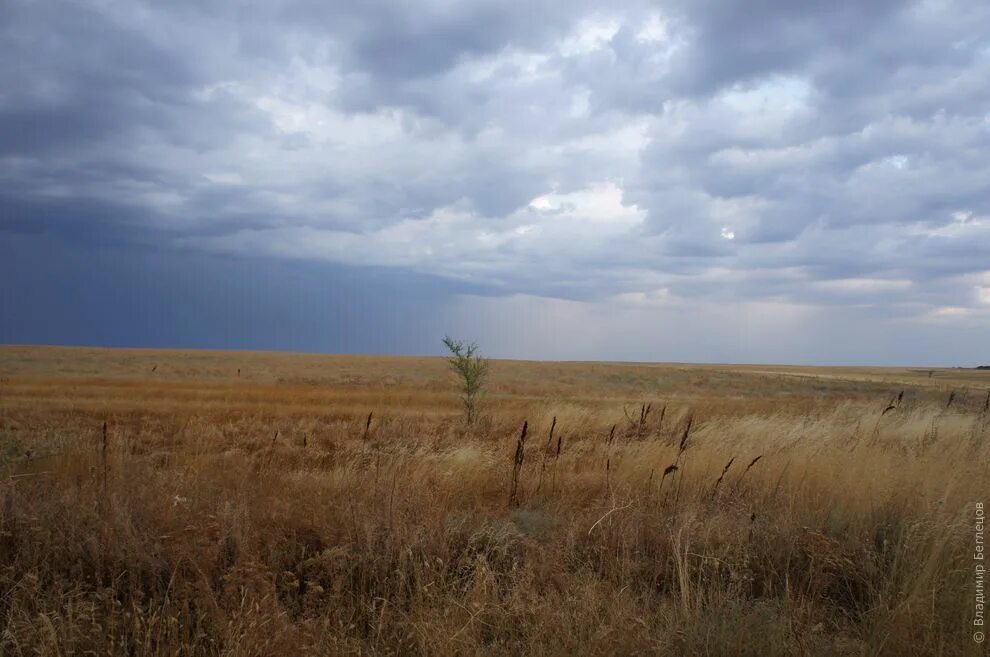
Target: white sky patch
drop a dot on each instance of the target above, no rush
(950, 312)
(743, 118)
(625, 141)
(526, 66)
(770, 158)
(736, 214)
(980, 283)
(656, 28)
(321, 122)
(897, 161)
(649, 298)
(780, 95)
(543, 204)
(963, 225)
(865, 285)
(590, 35)
(600, 204)
(617, 327)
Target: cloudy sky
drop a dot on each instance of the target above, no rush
(691, 180)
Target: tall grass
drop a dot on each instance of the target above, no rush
(193, 533)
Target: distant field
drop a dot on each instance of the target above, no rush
(330, 383)
(249, 503)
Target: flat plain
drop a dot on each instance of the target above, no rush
(251, 503)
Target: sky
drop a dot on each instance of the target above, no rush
(785, 181)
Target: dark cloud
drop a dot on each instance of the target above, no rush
(739, 42)
(59, 292)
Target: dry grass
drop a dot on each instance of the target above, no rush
(261, 514)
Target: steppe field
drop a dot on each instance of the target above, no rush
(246, 503)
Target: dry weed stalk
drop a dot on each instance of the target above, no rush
(893, 404)
(545, 454)
(678, 465)
(271, 450)
(670, 469)
(638, 425)
(105, 456)
(718, 482)
(517, 464)
(644, 412)
(748, 467)
(553, 425)
(367, 427)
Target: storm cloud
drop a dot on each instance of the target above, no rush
(653, 173)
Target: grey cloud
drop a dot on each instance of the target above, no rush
(77, 76)
(814, 154)
(738, 42)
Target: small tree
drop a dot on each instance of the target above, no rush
(471, 369)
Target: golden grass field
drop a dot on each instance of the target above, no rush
(240, 503)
